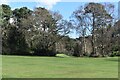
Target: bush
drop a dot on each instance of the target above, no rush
(44, 52)
(115, 53)
(15, 43)
(116, 48)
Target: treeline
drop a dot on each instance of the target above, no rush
(40, 32)
(31, 32)
(98, 29)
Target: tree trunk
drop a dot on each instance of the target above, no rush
(93, 37)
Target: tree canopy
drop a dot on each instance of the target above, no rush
(45, 33)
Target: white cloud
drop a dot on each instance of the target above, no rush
(40, 3)
(4, 2)
(47, 3)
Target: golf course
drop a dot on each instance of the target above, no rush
(61, 66)
(44, 39)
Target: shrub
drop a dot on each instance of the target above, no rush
(115, 53)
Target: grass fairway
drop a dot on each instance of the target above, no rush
(58, 67)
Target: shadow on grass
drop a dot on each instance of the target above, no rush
(113, 59)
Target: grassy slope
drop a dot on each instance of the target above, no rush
(58, 67)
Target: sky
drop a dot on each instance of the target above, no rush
(65, 7)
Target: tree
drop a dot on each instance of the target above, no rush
(81, 21)
(12, 32)
(43, 31)
(92, 18)
(99, 20)
(5, 16)
(115, 30)
(16, 42)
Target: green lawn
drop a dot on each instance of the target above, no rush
(59, 67)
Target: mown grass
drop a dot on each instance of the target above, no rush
(59, 67)
(0, 66)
